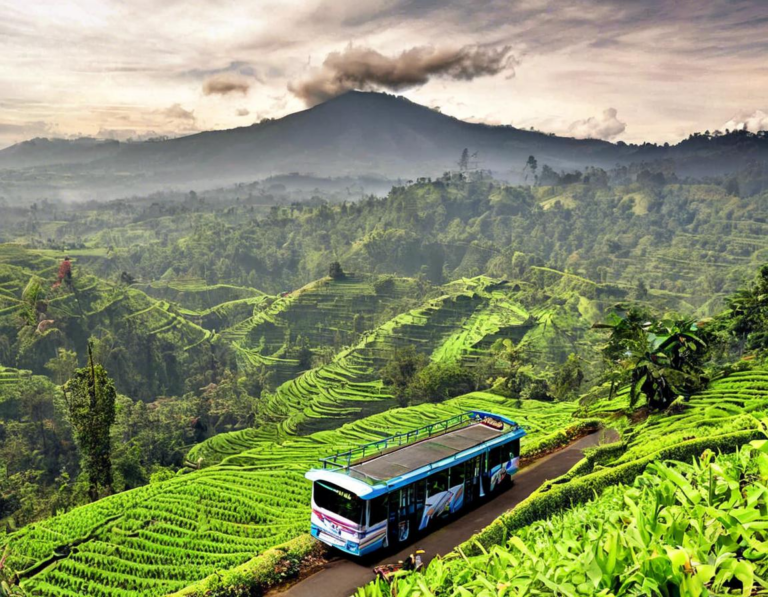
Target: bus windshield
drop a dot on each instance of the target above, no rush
(339, 501)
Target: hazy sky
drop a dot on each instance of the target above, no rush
(620, 69)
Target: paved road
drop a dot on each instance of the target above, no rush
(342, 576)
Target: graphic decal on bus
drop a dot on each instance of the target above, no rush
(341, 533)
(334, 530)
(500, 472)
(441, 504)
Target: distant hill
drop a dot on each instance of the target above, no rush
(358, 134)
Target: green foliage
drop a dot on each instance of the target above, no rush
(663, 359)
(335, 271)
(90, 398)
(690, 243)
(680, 529)
(62, 365)
(439, 381)
(37, 452)
(164, 536)
(8, 586)
(401, 371)
(568, 378)
(256, 576)
(747, 318)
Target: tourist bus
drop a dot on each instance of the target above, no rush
(382, 493)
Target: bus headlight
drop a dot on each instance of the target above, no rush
(352, 546)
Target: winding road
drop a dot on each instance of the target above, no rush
(342, 576)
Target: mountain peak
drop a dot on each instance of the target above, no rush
(358, 133)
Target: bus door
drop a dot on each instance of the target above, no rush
(473, 481)
(401, 513)
(420, 499)
(458, 485)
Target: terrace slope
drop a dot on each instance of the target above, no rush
(462, 324)
(161, 537)
(325, 314)
(37, 318)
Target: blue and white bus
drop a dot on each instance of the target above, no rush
(381, 494)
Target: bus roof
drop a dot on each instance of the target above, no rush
(404, 464)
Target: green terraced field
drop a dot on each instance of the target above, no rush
(461, 324)
(349, 386)
(90, 308)
(144, 540)
(324, 313)
(197, 296)
(10, 376)
(162, 537)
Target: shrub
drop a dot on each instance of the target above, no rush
(258, 574)
(551, 499)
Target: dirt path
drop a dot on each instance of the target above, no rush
(342, 576)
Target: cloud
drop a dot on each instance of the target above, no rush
(234, 67)
(26, 128)
(242, 112)
(606, 127)
(748, 121)
(363, 68)
(15, 132)
(226, 83)
(176, 112)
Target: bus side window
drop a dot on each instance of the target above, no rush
(494, 457)
(438, 482)
(394, 503)
(459, 474)
(512, 450)
(378, 510)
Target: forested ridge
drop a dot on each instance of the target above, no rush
(690, 239)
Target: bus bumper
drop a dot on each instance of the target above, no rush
(350, 547)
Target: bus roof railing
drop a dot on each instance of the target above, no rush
(345, 460)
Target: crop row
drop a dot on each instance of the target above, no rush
(161, 537)
(679, 529)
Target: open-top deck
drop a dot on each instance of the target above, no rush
(402, 454)
(411, 457)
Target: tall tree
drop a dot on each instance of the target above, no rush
(464, 160)
(531, 165)
(335, 271)
(90, 397)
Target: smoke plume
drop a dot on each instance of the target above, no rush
(225, 84)
(366, 69)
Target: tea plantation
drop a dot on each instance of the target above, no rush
(658, 526)
(692, 528)
(162, 537)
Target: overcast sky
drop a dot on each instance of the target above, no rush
(618, 69)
